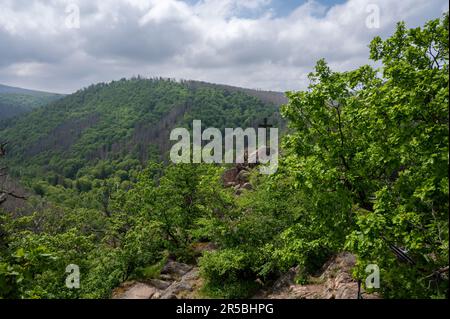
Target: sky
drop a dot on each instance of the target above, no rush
(64, 45)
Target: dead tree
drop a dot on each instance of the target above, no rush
(3, 149)
(2, 154)
(3, 192)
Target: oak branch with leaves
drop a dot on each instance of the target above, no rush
(380, 137)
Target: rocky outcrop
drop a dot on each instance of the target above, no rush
(175, 269)
(238, 178)
(134, 290)
(177, 280)
(229, 177)
(183, 288)
(335, 282)
(182, 281)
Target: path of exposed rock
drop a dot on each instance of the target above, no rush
(335, 282)
(177, 280)
(182, 281)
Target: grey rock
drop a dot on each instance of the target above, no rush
(175, 268)
(229, 176)
(243, 176)
(175, 289)
(335, 282)
(166, 277)
(160, 284)
(247, 186)
(138, 290)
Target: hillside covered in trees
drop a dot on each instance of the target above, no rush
(127, 119)
(15, 101)
(363, 169)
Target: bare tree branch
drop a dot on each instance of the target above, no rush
(3, 149)
(4, 193)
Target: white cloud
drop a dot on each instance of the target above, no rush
(226, 41)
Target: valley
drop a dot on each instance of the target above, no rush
(15, 101)
(358, 204)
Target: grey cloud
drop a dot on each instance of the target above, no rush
(31, 47)
(129, 37)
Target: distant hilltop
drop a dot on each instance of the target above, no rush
(15, 101)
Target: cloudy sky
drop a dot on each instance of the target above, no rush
(61, 46)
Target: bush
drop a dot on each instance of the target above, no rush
(228, 274)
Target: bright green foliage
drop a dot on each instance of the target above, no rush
(364, 167)
(277, 226)
(15, 101)
(164, 213)
(228, 273)
(116, 121)
(36, 263)
(383, 143)
(183, 202)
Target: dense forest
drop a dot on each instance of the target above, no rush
(363, 169)
(15, 101)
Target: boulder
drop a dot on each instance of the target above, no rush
(243, 176)
(247, 186)
(335, 282)
(176, 268)
(185, 282)
(137, 290)
(159, 284)
(166, 277)
(179, 289)
(229, 176)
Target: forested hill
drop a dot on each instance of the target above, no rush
(15, 101)
(361, 190)
(129, 119)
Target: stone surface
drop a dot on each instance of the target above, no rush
(243, 176)
(335, 282)
(137, 290)
(160, 284)
(175, 268)
(229, 176)
(247, 186)
(166, 277)
(181, 281)
(231, 184)
(186, 286)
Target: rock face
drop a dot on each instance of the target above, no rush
(238, 178)
(229, 176)
(136, 290)
(176, 269)
(177, 281)
(184, 287)
(335, 282)
(182, 281)
(239, 175)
